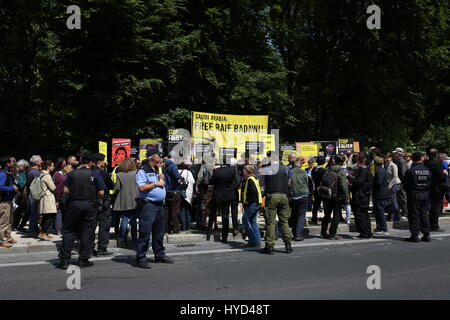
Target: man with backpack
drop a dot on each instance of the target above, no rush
(334, 191)
(7, 190)
(33, 212)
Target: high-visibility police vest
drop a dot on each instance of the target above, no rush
(258, 188)
(114, 179)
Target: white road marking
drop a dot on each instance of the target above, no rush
(294, 245)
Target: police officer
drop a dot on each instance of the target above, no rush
(417, 185)
(83, 187)
(152, 193)
(104, 209)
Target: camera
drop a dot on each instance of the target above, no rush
(183, 183)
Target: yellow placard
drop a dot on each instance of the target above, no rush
(307, 149)
(145, 143)
(103, 149)
(356, 146)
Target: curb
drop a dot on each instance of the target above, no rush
(53, 246)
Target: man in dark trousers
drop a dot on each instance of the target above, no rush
(235, 198)
(224, 182)
(398, 159)
(173, 197)
(381, 196)
(361, 188)
(104, 210)
(339, 195)
(82, 188)
(417, 184)
(436, 189)
(317, 175)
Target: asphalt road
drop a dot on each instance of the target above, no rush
(318, 269)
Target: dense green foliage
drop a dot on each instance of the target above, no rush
(138, 67)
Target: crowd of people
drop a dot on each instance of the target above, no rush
(72, 196)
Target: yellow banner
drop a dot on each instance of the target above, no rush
(103, 149)
(242, 132)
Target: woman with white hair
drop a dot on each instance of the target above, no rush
(21, 195)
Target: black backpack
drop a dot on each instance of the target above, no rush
(206, 178)
(328, 185)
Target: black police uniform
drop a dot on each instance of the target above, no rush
(104, 210)
(417, 185)
(81, 214)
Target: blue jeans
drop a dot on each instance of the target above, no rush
(250, 223)
(395, 209)
(380, 217)
(185, 215)
(34, 215)
(152, 221)
(58, 221)
(299, 208)
(129, 216)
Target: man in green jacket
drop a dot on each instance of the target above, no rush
(299, 193)
(339, 195)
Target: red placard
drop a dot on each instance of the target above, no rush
(121, 149)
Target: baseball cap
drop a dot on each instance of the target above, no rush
(398, 150)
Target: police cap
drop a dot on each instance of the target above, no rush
(153, 151)
(88, 157)
(99, 157)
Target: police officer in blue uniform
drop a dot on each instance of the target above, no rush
(152, 193)
(417, 185)
(82, 189)
(104, 209)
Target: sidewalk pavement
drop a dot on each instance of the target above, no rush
(26, 244)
